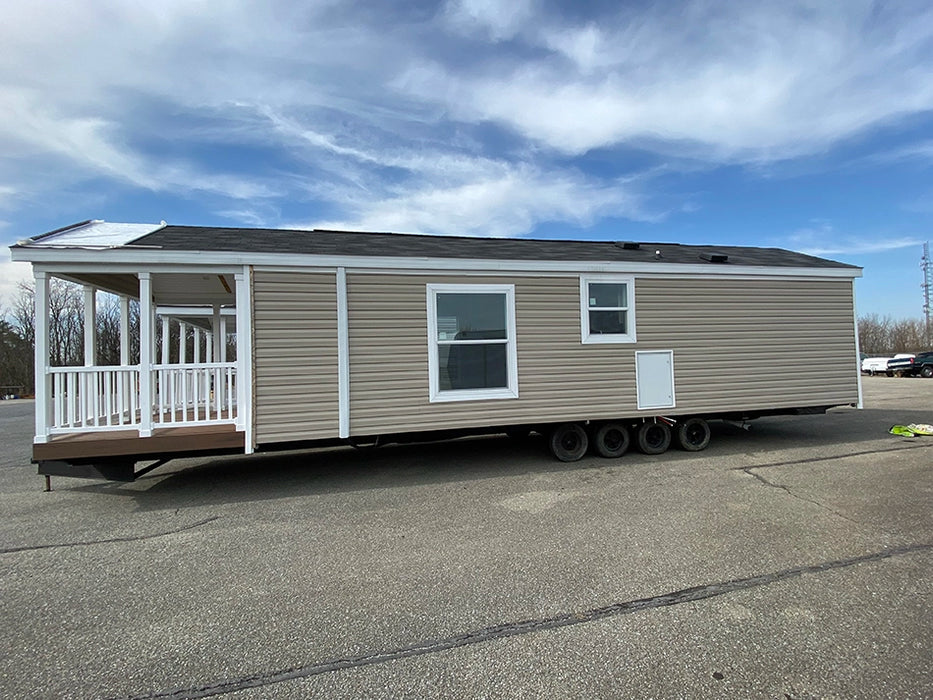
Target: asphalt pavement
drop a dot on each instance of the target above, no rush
(792, 560)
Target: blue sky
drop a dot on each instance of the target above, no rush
(803, 125)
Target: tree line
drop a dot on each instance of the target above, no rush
(884, 336)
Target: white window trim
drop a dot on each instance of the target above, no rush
(585, 335)
(508, 392)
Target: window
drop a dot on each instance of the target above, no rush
(607, 309)
(471, 342)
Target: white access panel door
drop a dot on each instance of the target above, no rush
(654, 378)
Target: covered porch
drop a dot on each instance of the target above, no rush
(182, 384)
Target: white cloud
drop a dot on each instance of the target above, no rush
(724, 81)
(93, 146)
(920, 150)
(508, 203)
(245, 217)
(861, 247)
(7, 195)
(497, 19)
(821, 239)
(11, 274)
(429, 120)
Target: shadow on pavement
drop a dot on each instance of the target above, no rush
(185, 483)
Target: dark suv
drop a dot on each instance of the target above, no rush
(921, 363)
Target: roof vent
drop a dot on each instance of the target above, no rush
(628, 245)
(715, 257)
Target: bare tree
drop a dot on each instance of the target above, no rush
(66, 320)
(16, 366)
(886, 336)
(108, 330)
(23, 312)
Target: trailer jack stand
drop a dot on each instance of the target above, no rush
(48, 483)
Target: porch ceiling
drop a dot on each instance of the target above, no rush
(168, 289)
(173, 289)
(123, 284)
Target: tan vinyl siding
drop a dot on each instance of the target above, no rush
(559, 378)
(738, 345)
(754, 344)
(295, 340)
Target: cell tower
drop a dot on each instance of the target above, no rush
(927, 265)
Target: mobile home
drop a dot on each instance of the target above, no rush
(361, 337)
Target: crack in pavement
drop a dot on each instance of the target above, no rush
(512, 629)
(787, 490)
(129, 538)
(749, 470)
(811, 460)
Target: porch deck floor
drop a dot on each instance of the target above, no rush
(125, 443)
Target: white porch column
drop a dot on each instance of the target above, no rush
(216, 336)
(209, 347)
(182, 343)
(43, 393)
(90, 326)
(153, 352)
(124, 331)
(145, 354)
(343, 356)
(223, 339)
(165, 339)
(244, 364)
(197, 345)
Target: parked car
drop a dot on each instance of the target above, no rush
(912, 365)
(875, 365)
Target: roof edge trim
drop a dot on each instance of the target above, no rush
(142, 259)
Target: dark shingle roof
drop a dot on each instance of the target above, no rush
(318, 242)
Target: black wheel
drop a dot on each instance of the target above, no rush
(692, 434)
(611, 440)
(569, 442)
(926, 371)
(653, 438)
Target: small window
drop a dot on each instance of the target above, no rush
(471, 342)
(607, 309)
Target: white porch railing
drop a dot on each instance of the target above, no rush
(94, 398)
(201, 393)
(100, 398)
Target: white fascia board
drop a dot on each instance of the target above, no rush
(104, 266)
(137, 258)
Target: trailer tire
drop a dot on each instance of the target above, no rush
(692, 434)
(653, 438)
(569, 442)
(611, 440)
(926, 371)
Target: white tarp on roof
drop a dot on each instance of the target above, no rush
(96, 234)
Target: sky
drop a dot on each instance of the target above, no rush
(804, 125)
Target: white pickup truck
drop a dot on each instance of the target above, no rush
(879, 365)
(875, 365)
